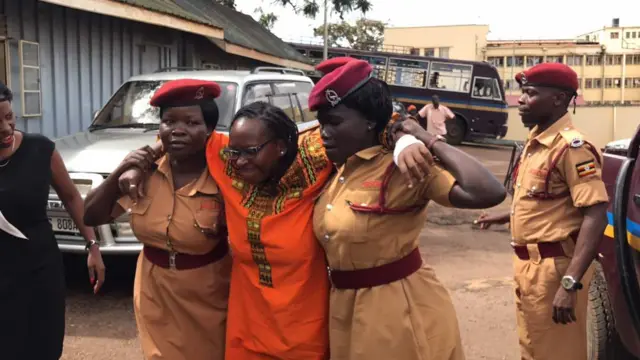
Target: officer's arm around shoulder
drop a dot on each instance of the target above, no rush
(582, 171)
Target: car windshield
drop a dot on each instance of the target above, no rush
(130, 108)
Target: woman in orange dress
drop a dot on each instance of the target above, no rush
(384, 303)
(269, 177)
(182, 278)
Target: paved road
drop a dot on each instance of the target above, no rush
(474, 265)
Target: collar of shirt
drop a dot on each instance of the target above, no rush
(205, 183)
(547, 137)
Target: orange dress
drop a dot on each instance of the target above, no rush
(278, 301)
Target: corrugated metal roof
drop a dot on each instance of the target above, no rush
(168, 7)
(241, 29)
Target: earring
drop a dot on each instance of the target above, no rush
(370, 127)
(282, 153)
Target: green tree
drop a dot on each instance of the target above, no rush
(366, 34)
(266, 19)
(308, 8)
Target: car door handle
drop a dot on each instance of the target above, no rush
(636, 199)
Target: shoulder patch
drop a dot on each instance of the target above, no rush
(576, 142)
(586, 168)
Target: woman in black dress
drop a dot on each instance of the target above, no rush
(32, 287)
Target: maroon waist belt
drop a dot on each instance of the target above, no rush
(376, 276)
(179, 261)
(546, 250)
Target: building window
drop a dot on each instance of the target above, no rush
(30, 76)
(534, 60)
(579, 83)
(574, 60)
(615, 35)
(555, 59)
(587, 38)
(443, 52)
(414, 51)
(497, 61)
(628, 34)
(633, 60)
(593, 60)
(614, 59)
(632, 82)
(429, 52)
(592, 83)
(612, 83)
(633, 34)
(515, 61)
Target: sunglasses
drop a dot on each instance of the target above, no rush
(249, 152)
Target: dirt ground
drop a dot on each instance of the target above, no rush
(475, 266)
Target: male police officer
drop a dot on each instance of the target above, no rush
(557, 218)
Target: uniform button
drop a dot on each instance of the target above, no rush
(169, 217)
(129, 210)
(327, 237)
(329, 207)
(341, 179)
(529, 155)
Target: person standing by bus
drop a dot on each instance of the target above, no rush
(435, 115)
(557, 218)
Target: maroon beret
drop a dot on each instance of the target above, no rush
(553, 75)
(343, 76)
(185, 92)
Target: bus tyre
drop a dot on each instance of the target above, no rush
(603, 342)
(456, 130)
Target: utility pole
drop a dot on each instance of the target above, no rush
(325, 53)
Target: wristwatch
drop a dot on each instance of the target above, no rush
(90, 244)
(570, 284)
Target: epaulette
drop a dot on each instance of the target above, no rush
(572, 137)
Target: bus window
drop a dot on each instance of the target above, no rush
(486, 88)
(378, 63)
(450, 76)
(405, 72)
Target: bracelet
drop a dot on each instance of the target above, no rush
(90, 244)
(433, 140)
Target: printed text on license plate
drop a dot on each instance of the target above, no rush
(63, 225)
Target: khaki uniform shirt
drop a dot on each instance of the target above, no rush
(416, 310)
(577, 172)
(180, 314)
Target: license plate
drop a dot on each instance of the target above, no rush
(63, 225)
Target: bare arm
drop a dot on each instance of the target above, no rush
(72, 200)
(476, 187)
(69, 195)
(100, 201)
(591, 230)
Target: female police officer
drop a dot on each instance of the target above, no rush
(384, 303)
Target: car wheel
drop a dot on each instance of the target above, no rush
(603, 342)
(456, 130)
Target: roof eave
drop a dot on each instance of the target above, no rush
(137, 14)
(260, 56)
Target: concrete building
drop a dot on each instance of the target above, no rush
(607, 61)
(63, 59)
(462, 42)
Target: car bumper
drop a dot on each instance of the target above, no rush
(116, 249)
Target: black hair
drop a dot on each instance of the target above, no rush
(373, 100)
(5, 93)
(210, 112)
(280, 126)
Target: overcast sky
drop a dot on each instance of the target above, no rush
(507, 19)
